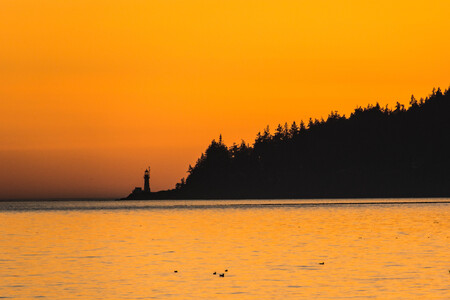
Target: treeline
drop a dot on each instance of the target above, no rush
(375, 152)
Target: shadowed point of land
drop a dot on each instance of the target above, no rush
(376, 152)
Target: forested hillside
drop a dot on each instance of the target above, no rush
(375, 152)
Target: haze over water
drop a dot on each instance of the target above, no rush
(379, 248)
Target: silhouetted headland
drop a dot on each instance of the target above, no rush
(375, 152)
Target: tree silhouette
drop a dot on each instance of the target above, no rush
(375, 152)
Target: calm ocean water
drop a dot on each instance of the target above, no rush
(272, 249)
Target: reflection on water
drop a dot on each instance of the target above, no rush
(272, 249)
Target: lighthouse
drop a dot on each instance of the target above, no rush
(147, 180)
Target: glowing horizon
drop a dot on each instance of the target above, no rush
(92, 92)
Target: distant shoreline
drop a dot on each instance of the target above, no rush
(376, 152)
(444, 199)
(58, 199)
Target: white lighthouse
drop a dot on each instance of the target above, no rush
(147, 180)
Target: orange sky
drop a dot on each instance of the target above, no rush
(91, 92)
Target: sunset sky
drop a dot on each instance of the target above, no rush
(91, 92)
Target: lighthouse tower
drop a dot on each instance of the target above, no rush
(147, 180)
